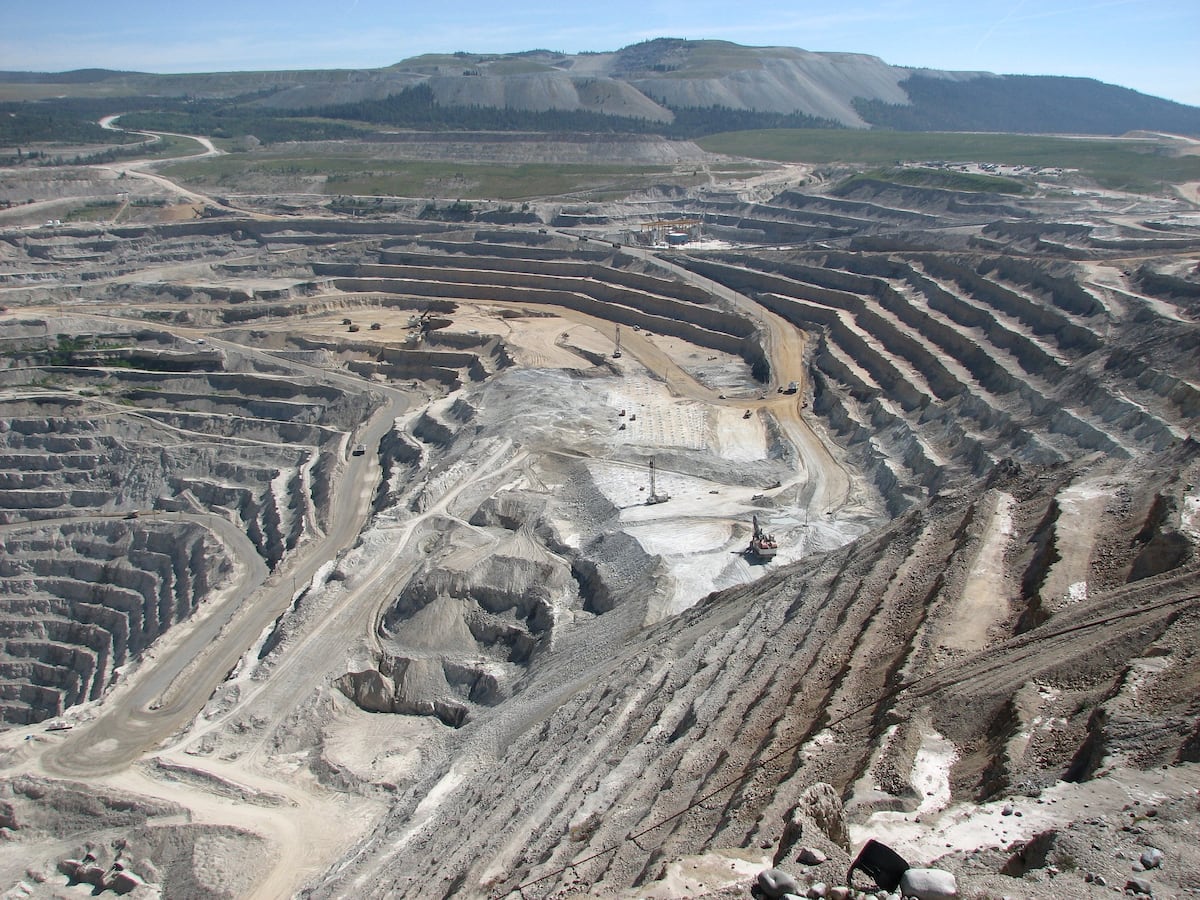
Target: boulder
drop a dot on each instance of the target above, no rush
(123, 881)
(774, 883)
(1139, 886)
(69, 867)
(1152, 858)
(929, 884)
(811, 856)
(91, 873)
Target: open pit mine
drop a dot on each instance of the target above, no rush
(625, 552)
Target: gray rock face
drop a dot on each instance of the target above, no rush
(83, 590)
(84, 598)
(418, 687)
(929, 884)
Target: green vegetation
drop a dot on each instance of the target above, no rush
(348, 175)
(218, 122)
(1115, 163)
(59, 121)
(50, 92)
(65, 106)
(918, 176)
(431, 60)
(679, 58)
(1028, 103)
(64, 353)
(415, 107)
(167, 147)
(518, 67)
(171, 146)
(95, 211)
(458, 211)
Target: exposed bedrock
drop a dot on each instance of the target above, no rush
(763, 690)
(1137, 365)
(400, 455)
(982, 207)
(58, 466)
(932, 368)
(521, 261)
(268, 502)
(293, 230)
(626, 289)
(613, 568)
(80, 600)
(1042, 319)
(511, 510)
(98, 559)
(1183, 292)
(861, 210)
(44, 807)
(110, 842)
(508, 245)
(432, 430)
(447, 687)
(465, 630)
(1160, 544)
(702, 325)
(419, 687)
(462, 638)
(509, 603)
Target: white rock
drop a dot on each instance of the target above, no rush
(929, 884)
(818, 891)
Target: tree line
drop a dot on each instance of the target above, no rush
(74, 120)
(1038, 104)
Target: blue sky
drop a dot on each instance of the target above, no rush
(1149, 45)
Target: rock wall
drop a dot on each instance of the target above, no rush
(81, 600)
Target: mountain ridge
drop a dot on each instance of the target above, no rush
(652, 81)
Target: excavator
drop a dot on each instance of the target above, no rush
(762, 545)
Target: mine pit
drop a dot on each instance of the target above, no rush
(329, 535)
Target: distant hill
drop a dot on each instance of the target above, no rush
(678, 87)
(75, 76)
(1027, 103)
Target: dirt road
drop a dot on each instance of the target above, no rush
(143, 168)
(164, 701)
